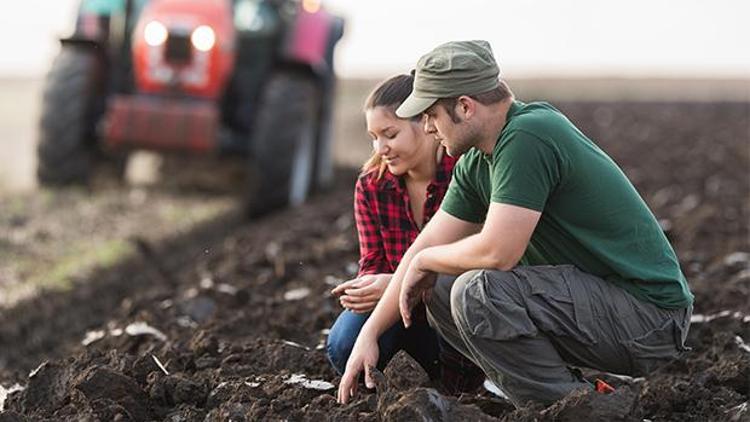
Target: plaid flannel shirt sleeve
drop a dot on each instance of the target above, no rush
(372, 259)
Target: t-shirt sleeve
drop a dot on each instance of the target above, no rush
(525, 170)
(462, 199)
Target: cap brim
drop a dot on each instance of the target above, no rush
(413, 106)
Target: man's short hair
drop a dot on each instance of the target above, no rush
(493, 96)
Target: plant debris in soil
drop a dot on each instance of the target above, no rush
(235, 330)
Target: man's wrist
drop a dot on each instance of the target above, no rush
(421, 260)
(368, 333)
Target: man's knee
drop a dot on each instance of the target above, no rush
(459, 289)
(486, 303)
(461, 297)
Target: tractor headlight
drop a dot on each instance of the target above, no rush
(203, 38)
(155, 33)
(311, 6)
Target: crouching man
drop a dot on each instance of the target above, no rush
(559, 261)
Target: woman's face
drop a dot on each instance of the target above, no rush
(401, 143)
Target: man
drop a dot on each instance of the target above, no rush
(559, 260)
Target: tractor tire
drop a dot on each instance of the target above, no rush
(66, 144)
(283, 143)
(323, 172)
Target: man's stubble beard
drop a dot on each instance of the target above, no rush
(466, 137)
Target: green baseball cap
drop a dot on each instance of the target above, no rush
(450, 70)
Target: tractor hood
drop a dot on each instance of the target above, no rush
(184, 46)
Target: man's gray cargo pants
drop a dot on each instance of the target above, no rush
(524, 327)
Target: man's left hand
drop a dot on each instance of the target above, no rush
(415, 286)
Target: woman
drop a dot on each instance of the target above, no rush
(399, 190)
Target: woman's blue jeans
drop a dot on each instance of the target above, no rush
(420, 341)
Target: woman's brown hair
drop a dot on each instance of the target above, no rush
(389, 94)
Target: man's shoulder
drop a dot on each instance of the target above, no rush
(469, 159)
(536, 118)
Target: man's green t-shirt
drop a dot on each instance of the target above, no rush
(592, 216)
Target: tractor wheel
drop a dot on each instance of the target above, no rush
(66, 148)
(323, 172)
(283, 143)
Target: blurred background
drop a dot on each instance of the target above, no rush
(583, 49)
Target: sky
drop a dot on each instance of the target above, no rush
(530, 38)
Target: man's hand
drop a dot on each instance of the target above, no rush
(415, 287)
(362, 294)
(364, 356)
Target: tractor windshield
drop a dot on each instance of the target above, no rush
(255, 16)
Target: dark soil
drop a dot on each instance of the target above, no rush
(232, 341)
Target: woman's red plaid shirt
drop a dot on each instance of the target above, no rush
(385, 223)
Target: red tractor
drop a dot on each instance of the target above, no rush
(249, 77)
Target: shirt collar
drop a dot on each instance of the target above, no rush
(442, 177)
(515, 106)
(390, 181)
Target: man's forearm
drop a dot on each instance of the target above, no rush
(467, 254)
(386, 312)
(442, 229)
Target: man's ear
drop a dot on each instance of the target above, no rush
(466, 107)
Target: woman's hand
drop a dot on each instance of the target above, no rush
(361, 294)
(364, 356)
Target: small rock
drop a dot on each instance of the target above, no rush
(143, 329)
(736, 258)
(199, 308)
(302, 380)
(93, 336)
(226, 289)
(206, 283)
(297, 294)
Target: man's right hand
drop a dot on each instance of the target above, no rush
(364, 356)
